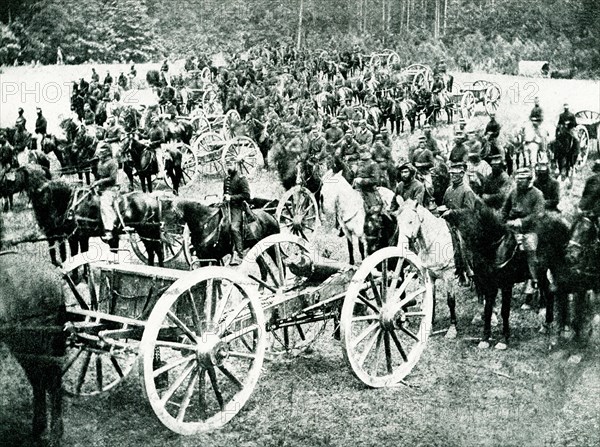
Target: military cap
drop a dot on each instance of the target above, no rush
(523, 173)
(496, 160)
(457, 167)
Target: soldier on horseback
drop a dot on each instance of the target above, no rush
(548, 185)
(459, 152)
(382, 155)
(106, 183)
(41, 128)
(524, 204)
(496, 186)
(492, 132)
(236, 192)
(430, 142)
(408, 188)
(590, 198)
(536, 116)
(349, 150)
(567, 121)
(21, 120)
(459, 196)
(366, 181)
(363, 136)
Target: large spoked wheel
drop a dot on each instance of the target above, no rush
(91, 366)
(467, 105)
(491, 100)
(201, 123)
(393, 60)
(208, 148)
(298, 212)
(386, 317)
(206, 75)
(268, 264)
(171, 239)
(232, 117)
(189, 167)
(584, 143)
(245, 153)
(202, 350)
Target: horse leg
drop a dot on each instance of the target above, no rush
(581, 310)
(149, 183)
(488, 309)
(505, 312)
(350, 250)
(88, 180)
(39, 399)
(451, 299)
(52, 249)
(56, 409)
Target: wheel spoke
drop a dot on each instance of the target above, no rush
(399, 346)
(99, 372)
(364, 334)
(367, 303)
(242, 355)
(117, 367)
(410, 297)
(230, 337)
(215, 387)
(71, 360)
(177, 383)
(280, 267)
(388, 353)
(222, 304)
(375, 290)
(369, 347)
(76, 293)
(83, 371)
(233, 315)
(384, 279)
(231, 377)
(175, 364)
(396, 276)
(189, 392)
(409, 333)
(92, 287)
(182, 326)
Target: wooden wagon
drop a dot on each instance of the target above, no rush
(480, 92)
(417, 76)
(202, 336)
(588, 125)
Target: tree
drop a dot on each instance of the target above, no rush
(9, 45)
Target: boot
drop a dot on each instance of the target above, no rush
(236, 259)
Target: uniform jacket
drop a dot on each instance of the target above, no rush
(368, 171)
(496, 189)
(238, 189)
(567, 119)
(459, 153)
(41, 125)
(525, 205)
(590, 199)
(412, 190)
(550, 188)
(459, 197)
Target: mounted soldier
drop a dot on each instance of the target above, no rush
(459, 152)
(496, 186)
(408, 188)
(89, 117)
(350, 151)
(525, 204)
(20, 119)
(363, 136)
(548, 185)
(459, 196)
(536, 116)
(492, 132)
(566, 121)
(382, 155)
(430, 142)
(590, 198)
(385, 137)
(236, 192)
(106, 183)
(41, 128)
(366, 181)
(113, 136)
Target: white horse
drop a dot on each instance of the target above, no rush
(431, 238)
(535, 144)
(346, 205)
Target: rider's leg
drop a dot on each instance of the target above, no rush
(107, 212)
(160, 159)
(236, 234)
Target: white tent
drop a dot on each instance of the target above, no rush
(534, 68)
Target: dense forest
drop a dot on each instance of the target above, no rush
(490, 35)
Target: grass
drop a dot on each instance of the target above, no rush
(457, 395)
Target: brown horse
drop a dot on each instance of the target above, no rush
(32, 315)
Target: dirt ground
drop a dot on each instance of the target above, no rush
(457, 395)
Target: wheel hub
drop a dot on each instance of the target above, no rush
(212, 351)
(297, 223)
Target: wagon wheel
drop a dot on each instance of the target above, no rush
(231, 118)
(206, 75)
(244, 151)
(171, 240)
(298, 212)
(491, 99)
(201, 123)
(375, 60)
(267, 264)
(584, 144)
(481, 83)
(189, 167)
(209, 331)
(393, 60)
(209, 98)
(208, 148)
(467, 105)
(386, 317)
(91, 366)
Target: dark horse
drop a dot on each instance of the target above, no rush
(498, 263)
(139, 160)
(565, 150)
(210, 228)
(32, 316)
(67, 212)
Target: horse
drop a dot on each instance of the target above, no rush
(68, 212)
(141, 160)
(498, 263)
(340, 200)
(432, 241)
(32, 317)
(210, 228)
(565, 151)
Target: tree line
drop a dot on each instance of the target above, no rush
(491, 35)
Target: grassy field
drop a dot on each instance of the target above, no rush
(457, 395)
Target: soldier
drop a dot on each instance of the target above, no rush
(492, 129)
(346, 112)
(385, 137)
(536, 116)
(8, 158)
(548, 185)
(114, 133)
(568, 120)
(408, 188)
(459, 152)
(236, 191)
(106, 182)
(476, 164)
(349, 150)
(22, 138)
(20, 119)
(157, 139)
(459, 196)
(430, 142)
(95, 76)
(496, 186)
(317, 145)
(366, 181)
(382, 155)
(41, 127)
(524, 204)
(363, 136)
(108, 79)
(89, 117)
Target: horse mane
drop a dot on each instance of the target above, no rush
(286, 168)
(481, 228)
